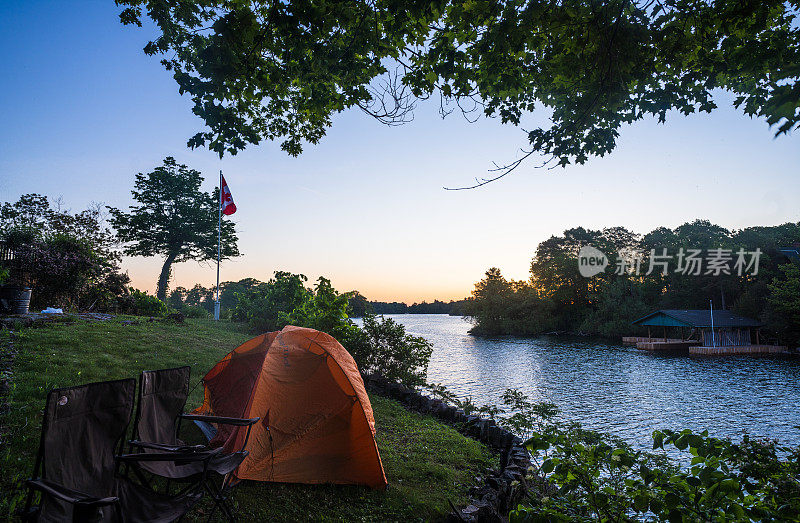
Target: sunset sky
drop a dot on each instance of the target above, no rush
(84, 109)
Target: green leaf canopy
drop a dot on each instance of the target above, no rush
(274, 70)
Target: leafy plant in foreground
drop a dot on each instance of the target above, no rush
(583, 475)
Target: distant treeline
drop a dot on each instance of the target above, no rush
(681, 268)
(453, 308)
(200, 298)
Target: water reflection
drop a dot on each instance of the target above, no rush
(615, 388)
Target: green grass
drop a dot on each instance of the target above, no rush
(427, 464)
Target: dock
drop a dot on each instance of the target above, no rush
(669, 345)
(659, 344)
(737, 349)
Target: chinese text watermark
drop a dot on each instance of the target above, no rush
(689, 262)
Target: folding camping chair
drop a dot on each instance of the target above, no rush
(162, 398)
(76, 470)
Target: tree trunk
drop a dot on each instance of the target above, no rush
(163, 279)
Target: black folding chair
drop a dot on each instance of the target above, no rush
(76, 470)
(162, 398)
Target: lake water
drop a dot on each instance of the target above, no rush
(616, 388)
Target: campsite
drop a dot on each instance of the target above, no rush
(428, 464)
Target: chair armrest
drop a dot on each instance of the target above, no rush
(176, 457)
(69, 495)
(167, 448)
(241, 422)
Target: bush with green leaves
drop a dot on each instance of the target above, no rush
(194, 311)
(584, 475)
(142, 304)
(516, 413)
(384, 347)
(69, 259)
(63, 270)
(324, 309)
(266, 306)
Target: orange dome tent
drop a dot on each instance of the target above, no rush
(316, 419)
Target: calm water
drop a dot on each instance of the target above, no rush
(615, 388)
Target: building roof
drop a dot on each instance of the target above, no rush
(791, 252)
(696, 318)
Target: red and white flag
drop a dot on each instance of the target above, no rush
(226, 200)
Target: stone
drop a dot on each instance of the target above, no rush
(483, 429)
(448, 413)
(508, 438)
(482, 513)
(438, 407)
(516, 470)
(495, 436)
(510, 476)
(393, 389)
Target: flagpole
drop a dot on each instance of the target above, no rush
(219, 243)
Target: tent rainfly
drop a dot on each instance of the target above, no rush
(317, 424)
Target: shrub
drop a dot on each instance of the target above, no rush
(324, 309)
(266, 306)
(384, 347)
(109, 294)
(70, 259)
(194, 311)
(62, 269)
(584, 475)
(143, 304)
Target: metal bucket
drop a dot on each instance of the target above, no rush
(21, 301)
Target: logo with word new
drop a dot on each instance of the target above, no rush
(591, 261)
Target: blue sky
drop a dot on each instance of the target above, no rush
(84, 109)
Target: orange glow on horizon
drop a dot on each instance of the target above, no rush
(144, 274)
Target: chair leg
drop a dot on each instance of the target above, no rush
(221, 500)
(28, 505)
(225, 495)
(213, 495)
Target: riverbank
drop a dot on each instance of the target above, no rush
(428, 464)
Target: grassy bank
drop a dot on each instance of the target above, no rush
(427, 464)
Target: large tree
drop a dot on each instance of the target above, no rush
(174, 219)
(263, 69)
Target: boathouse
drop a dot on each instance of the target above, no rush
(701, 333)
